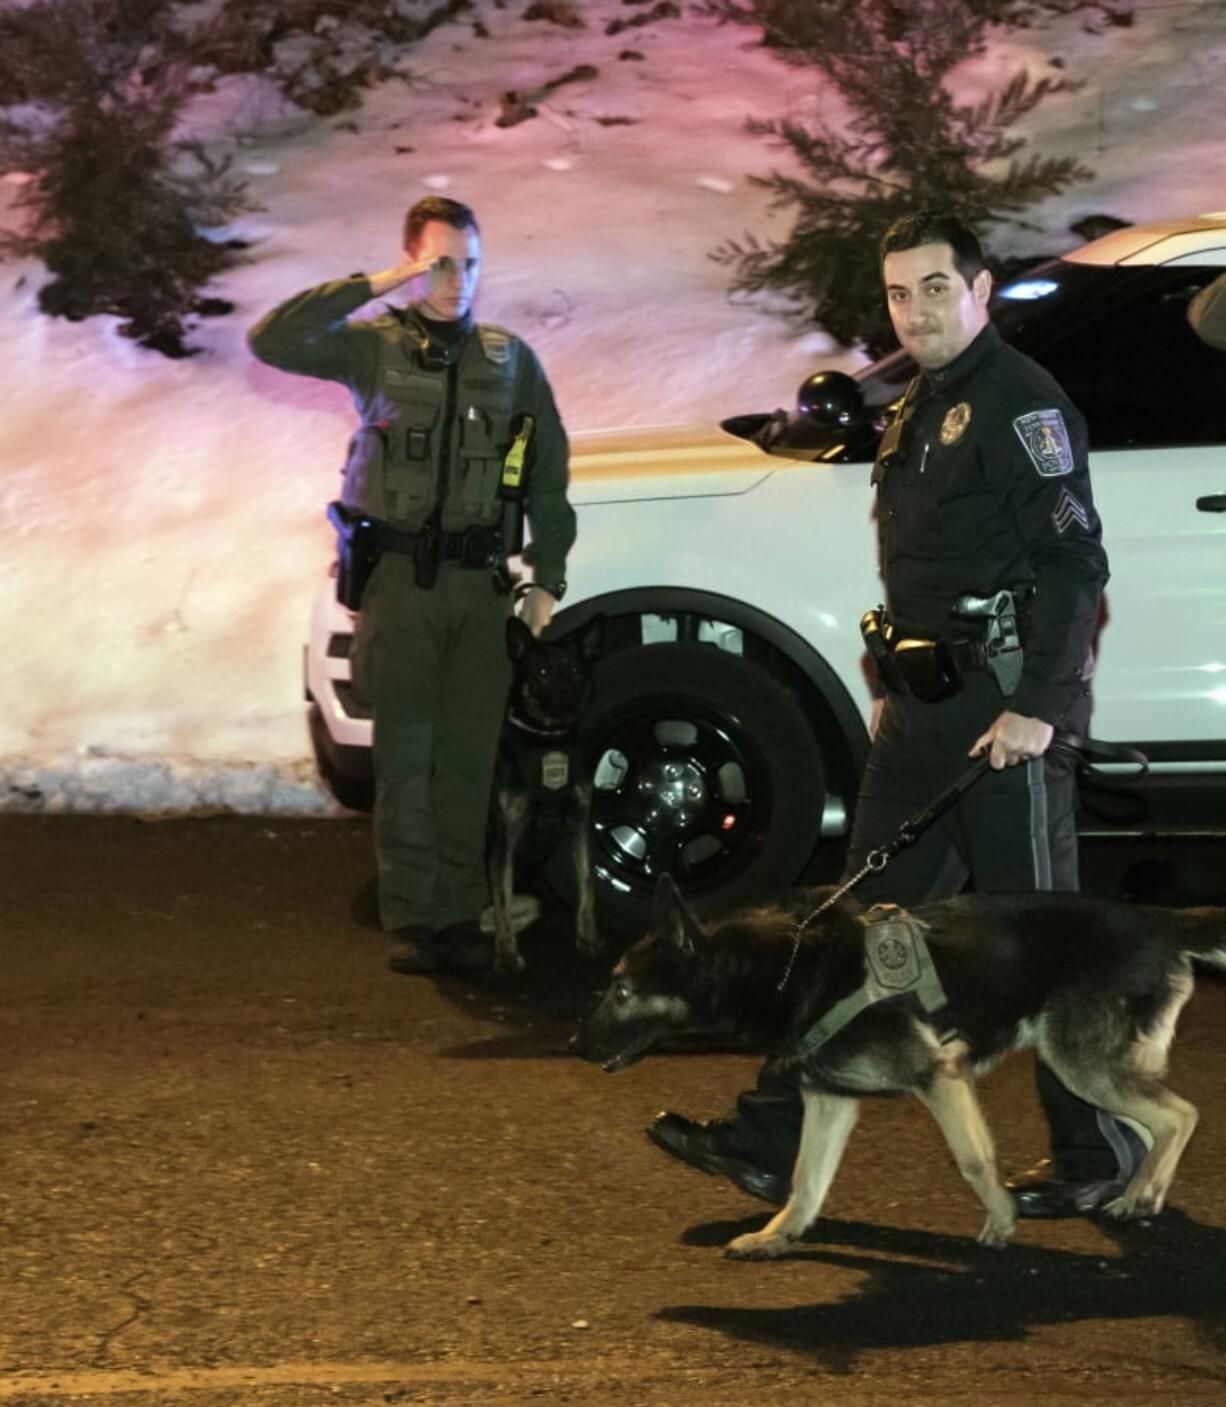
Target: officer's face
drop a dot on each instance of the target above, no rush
(447, 288)
(935, 313)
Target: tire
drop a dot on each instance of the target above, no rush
(705, 767)
(347, 772)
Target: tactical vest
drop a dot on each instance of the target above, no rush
(392, 468)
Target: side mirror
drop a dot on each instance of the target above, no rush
(830, 399)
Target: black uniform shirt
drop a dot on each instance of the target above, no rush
(991, 489)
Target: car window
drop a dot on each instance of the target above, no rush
(1117, 339)
(1136, 370)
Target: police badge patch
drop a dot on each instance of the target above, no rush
(495, 343)
(953, 427)
(555, 771)
(1044, 437)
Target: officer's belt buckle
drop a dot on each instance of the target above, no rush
(476, 547)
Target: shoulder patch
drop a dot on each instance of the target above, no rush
(496, 343)
(1044, 437)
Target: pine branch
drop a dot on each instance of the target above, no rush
(906, 144)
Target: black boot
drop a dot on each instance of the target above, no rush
(711, 1147)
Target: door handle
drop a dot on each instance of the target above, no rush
(1212, 503)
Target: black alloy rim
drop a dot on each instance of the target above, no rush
(679, 790)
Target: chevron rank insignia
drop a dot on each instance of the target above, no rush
(1044, 437)
(1070, 510)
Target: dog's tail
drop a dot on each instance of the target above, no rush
(1202, 936)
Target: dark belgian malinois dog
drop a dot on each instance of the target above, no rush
(539, 780)
(1094, 987)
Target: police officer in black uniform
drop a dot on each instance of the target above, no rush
(989, 541)
(451, 411)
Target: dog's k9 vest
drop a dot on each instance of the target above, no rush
(392, 468)
(897, 963)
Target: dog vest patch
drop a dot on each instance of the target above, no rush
(1044, 437)
(896, 963)
(889, 952)
(555, 771)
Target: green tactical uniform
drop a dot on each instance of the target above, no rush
(431, 661)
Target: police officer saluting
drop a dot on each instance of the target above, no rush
(993, 565)
(455, 417)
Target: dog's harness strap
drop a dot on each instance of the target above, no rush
(897, 963)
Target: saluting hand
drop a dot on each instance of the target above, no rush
(1013, 738)
(388, 279)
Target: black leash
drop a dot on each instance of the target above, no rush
(907, 834)
(1084, 752)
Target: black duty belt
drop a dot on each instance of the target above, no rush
(970, 654)
(470, 547)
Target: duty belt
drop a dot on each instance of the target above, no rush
(470, 547)
(970, 654)
(932, 668)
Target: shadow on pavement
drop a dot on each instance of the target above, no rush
(558, 987)
(939, 1289)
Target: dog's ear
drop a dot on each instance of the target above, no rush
(519, 638)
(591, 640)
(672, 918)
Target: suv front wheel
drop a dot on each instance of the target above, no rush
(704, 767)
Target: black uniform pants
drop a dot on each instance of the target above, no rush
(1013, 832)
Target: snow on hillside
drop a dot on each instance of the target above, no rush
(162, 520)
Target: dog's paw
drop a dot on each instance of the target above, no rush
(1133, 1205)
(588, 942)
(508, 961)
(757, 1245)
(997, 1232)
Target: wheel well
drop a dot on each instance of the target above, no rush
(766, 641)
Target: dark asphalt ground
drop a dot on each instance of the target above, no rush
(244, 1164)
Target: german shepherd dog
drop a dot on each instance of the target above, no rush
(1094, 987)
(539, 783)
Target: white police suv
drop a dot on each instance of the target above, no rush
(728, 725)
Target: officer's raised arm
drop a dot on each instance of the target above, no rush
(308, 333)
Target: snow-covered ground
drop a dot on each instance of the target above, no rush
(162, 521)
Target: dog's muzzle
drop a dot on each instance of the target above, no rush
(629, 1052)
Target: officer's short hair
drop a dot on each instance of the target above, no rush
(936, 227)
(436, 207)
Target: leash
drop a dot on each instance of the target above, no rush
(876, 860)
(1084, 752)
